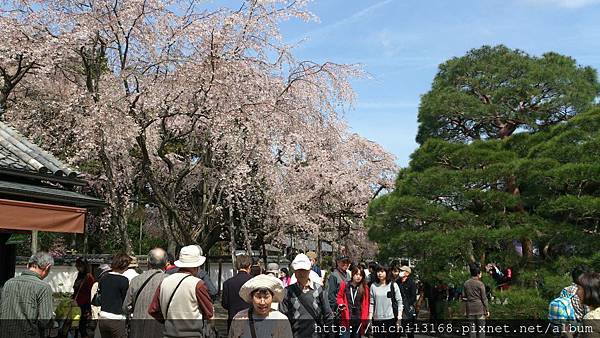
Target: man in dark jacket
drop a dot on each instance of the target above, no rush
(338, 276)
(408, 290)
(231, 300)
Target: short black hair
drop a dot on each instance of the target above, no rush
(261, 291)
(170, 258)
(590, 282)
(578, 271)
(373, 265)
(383, 267)
(475, 270)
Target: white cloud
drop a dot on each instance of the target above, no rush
(348, 20)
(565, 3)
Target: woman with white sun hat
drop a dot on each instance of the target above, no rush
(260, 320)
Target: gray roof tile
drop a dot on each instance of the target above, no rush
(18, 153)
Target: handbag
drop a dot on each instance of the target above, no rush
(96, 300)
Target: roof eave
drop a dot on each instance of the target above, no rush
(83, 202)
(42, 176)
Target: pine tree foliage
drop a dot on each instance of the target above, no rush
(537, 189)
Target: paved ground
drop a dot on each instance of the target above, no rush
(221, 318)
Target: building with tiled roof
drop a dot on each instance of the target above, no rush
(38, 192)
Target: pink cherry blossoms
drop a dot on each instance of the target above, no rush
(204, 114)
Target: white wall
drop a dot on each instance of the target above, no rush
(61, 278)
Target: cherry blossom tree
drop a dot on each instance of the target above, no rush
(204, 114)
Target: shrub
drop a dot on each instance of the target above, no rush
(521, 303)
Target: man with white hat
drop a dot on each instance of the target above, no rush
(182, 301)
(305, 303)
(261, 320)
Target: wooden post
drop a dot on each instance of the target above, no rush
(220, 275)
(34, 242)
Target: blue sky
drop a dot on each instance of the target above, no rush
(401, 42)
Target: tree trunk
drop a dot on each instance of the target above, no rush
(319, 247)
(171, 246)
(264, 253)
(527, 243)
(507, 129)
(122, 228)
(231, 235)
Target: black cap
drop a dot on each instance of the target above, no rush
(343, 258)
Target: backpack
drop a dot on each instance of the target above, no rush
(392, 295)
(561, 310)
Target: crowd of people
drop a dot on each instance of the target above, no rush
(175, 298)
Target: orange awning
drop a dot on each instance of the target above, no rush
(18, 215)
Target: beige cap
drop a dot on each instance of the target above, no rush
(301, 262)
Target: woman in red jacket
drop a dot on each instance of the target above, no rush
(82, 289)
(353, 300)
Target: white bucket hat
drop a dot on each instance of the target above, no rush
(271, 283)
(190, 257)
(301, 262)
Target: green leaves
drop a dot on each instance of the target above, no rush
(463, 202)
(493, 92)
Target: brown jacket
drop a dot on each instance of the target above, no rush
(476, 299)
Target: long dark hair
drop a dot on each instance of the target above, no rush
(357, 270)
(83, 263)
(590, 282)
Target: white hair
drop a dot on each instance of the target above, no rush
(41, 260)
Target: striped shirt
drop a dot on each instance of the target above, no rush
(26, 307)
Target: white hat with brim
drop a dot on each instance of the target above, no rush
(268, 282)
(301, 262)
(190, 257)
